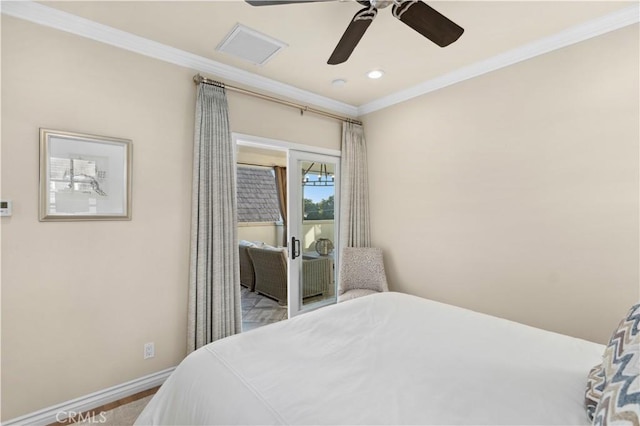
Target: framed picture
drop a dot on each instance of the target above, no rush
(84, 177)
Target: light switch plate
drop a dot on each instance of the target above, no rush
(5, 207)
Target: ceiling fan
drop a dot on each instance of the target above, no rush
(414, 13)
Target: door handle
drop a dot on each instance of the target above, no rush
(295, 252)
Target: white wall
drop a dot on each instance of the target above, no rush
(79, 300)
(516, 193)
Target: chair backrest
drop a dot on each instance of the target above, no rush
(362, 268)
(247, 274)
(271, 272)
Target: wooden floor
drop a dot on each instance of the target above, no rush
(94, 416)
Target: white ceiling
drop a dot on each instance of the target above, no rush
(312, 31)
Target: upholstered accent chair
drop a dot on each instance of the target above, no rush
(361, 273)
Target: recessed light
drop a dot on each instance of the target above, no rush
(375, 74)
(339, 82)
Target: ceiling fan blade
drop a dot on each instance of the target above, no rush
(352, 35)
(277, 2)
(428, 22)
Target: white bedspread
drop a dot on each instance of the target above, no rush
(383, 359)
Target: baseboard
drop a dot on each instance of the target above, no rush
(84, 403)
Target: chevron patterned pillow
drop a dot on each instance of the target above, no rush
(595, 386)
(620, 400)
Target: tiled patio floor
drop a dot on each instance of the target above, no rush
(258, 310)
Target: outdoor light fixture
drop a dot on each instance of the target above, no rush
(324, 178)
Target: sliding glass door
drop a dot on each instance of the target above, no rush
(313, 196)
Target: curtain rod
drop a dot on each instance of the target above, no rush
(303, 108)
(257, 165)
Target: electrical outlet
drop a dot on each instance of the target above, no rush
(149, 350)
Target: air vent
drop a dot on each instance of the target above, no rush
(250, 45)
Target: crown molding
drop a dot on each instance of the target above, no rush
(54, 18)
(610, 22)
(47, 16)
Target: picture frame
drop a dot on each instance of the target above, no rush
(84, 177)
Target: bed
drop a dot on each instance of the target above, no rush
(389, 358)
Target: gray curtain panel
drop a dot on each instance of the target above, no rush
(214, 279)
(354, 189)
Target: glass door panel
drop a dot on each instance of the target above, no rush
(313, 227)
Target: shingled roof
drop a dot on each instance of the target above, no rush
(257, 195)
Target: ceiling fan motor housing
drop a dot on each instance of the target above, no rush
(381, 4)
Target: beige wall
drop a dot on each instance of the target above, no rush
(79, 300)
(271, 233)
(521, 201)
(313, 230)
(518, 190)
(268, 233)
